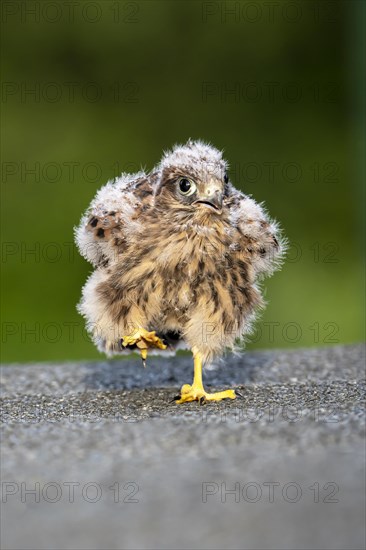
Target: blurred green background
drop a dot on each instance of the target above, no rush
(101, 87)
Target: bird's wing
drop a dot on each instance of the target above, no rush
(114, 212)
(260, 235)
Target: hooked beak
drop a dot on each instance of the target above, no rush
(213, 200)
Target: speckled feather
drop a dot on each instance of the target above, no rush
(186, 270)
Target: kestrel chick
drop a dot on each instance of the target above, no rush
(177, 254)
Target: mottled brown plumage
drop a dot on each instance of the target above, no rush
(185, 265)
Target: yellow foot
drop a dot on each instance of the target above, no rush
(143, 340)
(191, 393)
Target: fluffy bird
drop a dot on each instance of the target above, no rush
(178, 254)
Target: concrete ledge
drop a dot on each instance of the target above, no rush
(109, 427)
(290, 366)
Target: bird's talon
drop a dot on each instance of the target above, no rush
(196, 393)
(143, 352)
(143, 340)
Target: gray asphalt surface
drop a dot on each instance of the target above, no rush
(95, 455)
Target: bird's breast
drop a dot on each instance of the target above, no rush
(168, 275)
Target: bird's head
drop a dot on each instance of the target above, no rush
(193, 178)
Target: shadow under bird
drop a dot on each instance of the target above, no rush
(178, 254)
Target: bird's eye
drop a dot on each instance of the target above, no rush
(226, 178)
(186, 186)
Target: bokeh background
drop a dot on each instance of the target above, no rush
(99, 88)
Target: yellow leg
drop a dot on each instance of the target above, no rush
(143, 340)
(196, 392)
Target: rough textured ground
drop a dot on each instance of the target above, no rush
(114, 464)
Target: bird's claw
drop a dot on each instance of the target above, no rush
(143, 340)
(190, 393)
